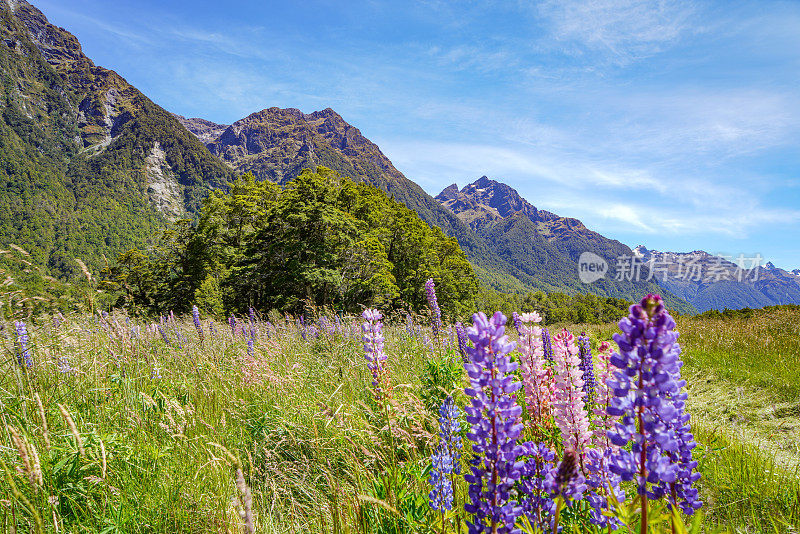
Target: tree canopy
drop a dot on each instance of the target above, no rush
(323, 240)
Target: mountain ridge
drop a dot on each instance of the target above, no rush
(709, 281)
(544, 249)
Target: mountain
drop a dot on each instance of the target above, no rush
(543, 249)
(713, 282)
(796, 272)
(206, 131)
(89, 166)
(277, 144)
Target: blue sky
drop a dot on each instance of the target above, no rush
(671, 124)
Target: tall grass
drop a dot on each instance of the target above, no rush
(176, 434)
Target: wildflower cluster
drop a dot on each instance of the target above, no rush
(619, 417)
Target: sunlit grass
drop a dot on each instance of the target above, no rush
(300, 418)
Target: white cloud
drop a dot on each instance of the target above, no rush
(621, 29)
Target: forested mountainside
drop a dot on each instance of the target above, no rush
(89, 166)
(277, 144)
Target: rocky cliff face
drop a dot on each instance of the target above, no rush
(712, 282)
(206, 131)
(485, 202)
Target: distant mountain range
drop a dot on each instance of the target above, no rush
(713, 282)
(90, 167)
(542, 248)
(512, 245)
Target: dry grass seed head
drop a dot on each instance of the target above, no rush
(73, 429)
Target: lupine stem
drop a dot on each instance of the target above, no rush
(559, 507)
(642, 464)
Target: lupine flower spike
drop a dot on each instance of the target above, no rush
(495, 418)
(648, 397)
(436, 313)
(569, 397)
(587, 366)
(446, 458)
(536, 485)
(462, 340)
(547, 345)
(23, 351)
(535, 375)
(196, 319)
(373, 351)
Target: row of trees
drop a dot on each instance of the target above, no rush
(556, 307)
(323, 240)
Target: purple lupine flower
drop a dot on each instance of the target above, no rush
(496, 424)
(441, 496)
(568, 481)
(547, 345)
(462, 340)
(515, 318)
(23, 351)
(197, 324)
(63, 365)
(601, 483)
(373, 351)
(587, 366)
(648, 398)
(536, 481)
(446, 458)
(449, 428)
(163, 332)
(410, 330)
(251, 338)
(430, 291)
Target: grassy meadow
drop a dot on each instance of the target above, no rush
(130, 426)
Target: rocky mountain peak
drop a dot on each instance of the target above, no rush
(448, 193)
(486, 200)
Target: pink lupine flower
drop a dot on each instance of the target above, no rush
(569, 397)
(536, 377)
(603, 422)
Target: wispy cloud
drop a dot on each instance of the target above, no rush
(622, 30)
